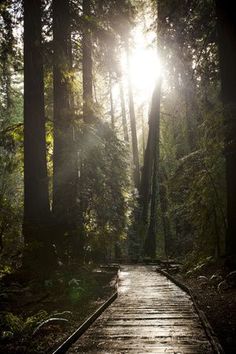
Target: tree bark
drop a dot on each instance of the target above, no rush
(36, 196)
(190, 108)
(123, 112)
(150, 242)
(65, 170)
(226, 23)
(164, 211)
(87, 65)
(111, 102)
(6, 56)
(143, 135)
(133, 125)
(147, 170)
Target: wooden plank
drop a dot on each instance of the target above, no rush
(150, 315)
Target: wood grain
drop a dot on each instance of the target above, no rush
(150, 315)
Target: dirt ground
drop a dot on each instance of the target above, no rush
(219, 305)
(220, 310)
(71, 298)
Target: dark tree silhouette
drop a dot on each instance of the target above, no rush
(226, 21)
(134, 138)
(123, 111)
(36, 198)
(150, 241)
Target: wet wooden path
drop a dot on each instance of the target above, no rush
(150, 315)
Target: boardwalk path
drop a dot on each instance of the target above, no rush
(151, 315)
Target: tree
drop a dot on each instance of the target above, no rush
(191, 121)
(120, 20)
(65, 170)
(149, 191)
(123, 111)
(226, 24)
(150, 241)
(36, 198)
(134, 138)
(105, 180)
(7, 51)
(111, 101)
(87, 64)
(147, 169)
(164, 212)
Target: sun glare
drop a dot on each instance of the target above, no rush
(143, 69)
(145, 66)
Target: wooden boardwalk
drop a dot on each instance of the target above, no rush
(151, 315)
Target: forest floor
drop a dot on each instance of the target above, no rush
(218, 302)
(74, 296)
(65, 301)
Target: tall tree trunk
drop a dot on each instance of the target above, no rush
(123, 112)
(87, 65)
(191, 109)
(147, 169)
(143, 135)
(133, 125)
(150, 242)
(191, 132)
(164, 211)
(65, 170)
(111, 102)
(88, 114)
(6, 56)
(36, 197)
(226, 22)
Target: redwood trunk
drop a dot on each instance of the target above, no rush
(111, 103)
(87, 65)
(36, 196)
(65, 172)
(123, 112)
(226, 22)
(133, 127)
(150, 244)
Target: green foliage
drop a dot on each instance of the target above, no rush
(15, 327)
(192, 134)
(104, 188)
(76, 294)
(11, 181)
(197, 192)
(20, 326)
(11, 111)
(80, 289)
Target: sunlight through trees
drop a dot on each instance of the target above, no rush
(121, 144)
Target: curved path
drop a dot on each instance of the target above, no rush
(151, 315)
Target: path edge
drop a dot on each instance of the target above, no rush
(206, 325)
(84, 326)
